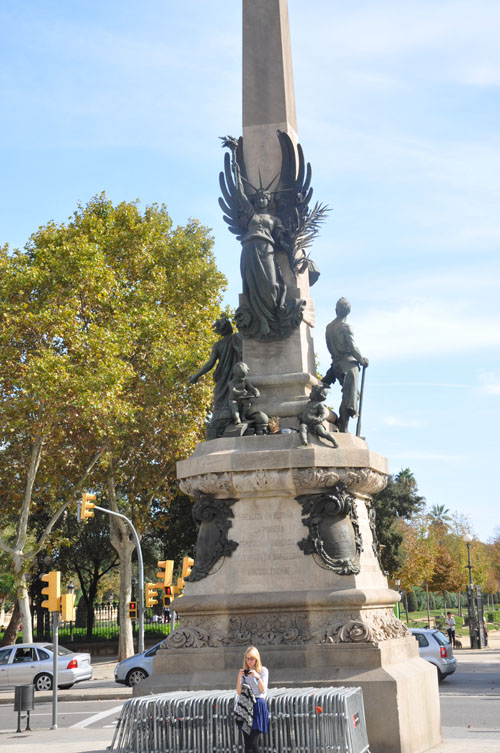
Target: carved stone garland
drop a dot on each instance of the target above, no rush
(334, 534)
(287, 629)
(211, 517)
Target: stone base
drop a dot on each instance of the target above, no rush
(400, 690)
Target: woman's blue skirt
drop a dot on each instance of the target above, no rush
(260, 716)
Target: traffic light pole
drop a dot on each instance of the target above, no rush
(55, 678)
(140, 564)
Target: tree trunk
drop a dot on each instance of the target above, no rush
(23, 601)
(459, 604)
(444, 602)
(122, 540)
(406, 607)
(428, 605)
(10, 634)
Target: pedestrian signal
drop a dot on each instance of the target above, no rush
(132, 610)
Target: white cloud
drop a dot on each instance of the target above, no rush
(490, 382)
(425, 328)
(403, 423)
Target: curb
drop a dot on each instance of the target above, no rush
(89, 696)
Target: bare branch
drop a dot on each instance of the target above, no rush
(50, 525)
(22, 526)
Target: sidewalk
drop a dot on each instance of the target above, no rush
(73, 740)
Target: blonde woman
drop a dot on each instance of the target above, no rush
(252, 681)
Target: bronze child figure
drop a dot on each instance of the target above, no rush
(314, 415)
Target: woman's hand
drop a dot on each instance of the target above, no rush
(254, 674)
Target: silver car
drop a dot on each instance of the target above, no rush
(32, 664)
(136, 668)
(434, 647)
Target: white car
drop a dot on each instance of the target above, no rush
(434, 647)
(136, 668)
(32, 664)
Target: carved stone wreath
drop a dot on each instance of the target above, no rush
(334, 534)
(211, 517)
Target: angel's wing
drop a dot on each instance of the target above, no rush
(292, 196)
(234, 202)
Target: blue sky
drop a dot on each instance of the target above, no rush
(398, 110)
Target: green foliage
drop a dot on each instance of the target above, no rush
(103, 319)
(398, 501)
(412, 601)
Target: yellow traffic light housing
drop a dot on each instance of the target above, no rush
(87, 506)
(132, 610)
(151, 594)
(52, 591)
(165, 573)
(67, 607)
(187, 566)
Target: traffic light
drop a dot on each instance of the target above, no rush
(165, 573)
(187, 565)
(151, 594)
(132, 610)
(168, 598)
(67, 607)
(166, 601)
(52, 591)
(86, 506)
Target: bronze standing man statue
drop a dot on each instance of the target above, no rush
(346, 360)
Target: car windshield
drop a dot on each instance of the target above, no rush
(441, 639)
(152, 651)
(61, 650)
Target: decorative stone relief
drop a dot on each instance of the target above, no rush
(314, 477)
(212, 520)
(363, 480)
(261, 480)
(375, 542)
(208, 483)
(371, 626)
(333, 529)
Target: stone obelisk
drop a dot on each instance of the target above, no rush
(282, 370)
(286, 557)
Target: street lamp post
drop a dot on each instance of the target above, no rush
(471, 608)
(397, 583)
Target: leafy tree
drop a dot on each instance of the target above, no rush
(104, 319)
(398, 501)
(87, 552)
(439, 516)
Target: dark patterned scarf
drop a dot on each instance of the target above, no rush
(243, 710)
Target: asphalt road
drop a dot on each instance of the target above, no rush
(470, 706)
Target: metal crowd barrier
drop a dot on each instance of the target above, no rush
(307, 720)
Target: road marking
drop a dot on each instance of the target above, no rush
(97, 717)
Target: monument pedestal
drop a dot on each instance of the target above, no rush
(286, 561)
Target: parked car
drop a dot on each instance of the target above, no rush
(32, 664)
(434, 647)
(136, 668)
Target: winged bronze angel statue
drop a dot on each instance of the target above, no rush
(266, 221)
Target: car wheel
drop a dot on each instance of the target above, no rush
(135, 676)
(43, 682)
(441, 677)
